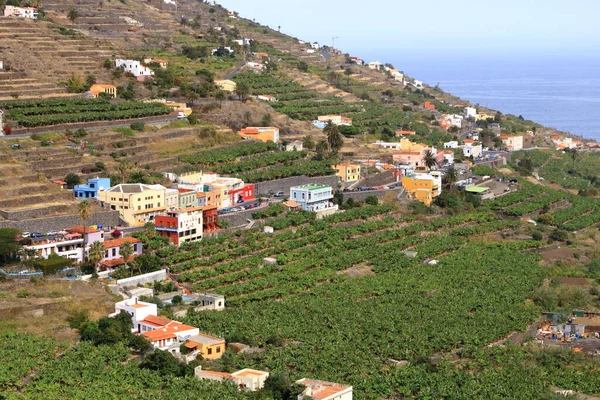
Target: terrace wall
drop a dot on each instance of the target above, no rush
(150, 277)
(104, 218)
(380, 194)
(377, 179)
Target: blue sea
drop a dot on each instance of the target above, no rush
(559, 91)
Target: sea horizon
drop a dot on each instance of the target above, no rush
(557, 91)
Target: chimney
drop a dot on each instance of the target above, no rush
(136, 300)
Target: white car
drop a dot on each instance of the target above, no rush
(52, 233)
(25, 234)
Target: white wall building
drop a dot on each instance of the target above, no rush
(211, 301)
(134, 67)
(313, 197)
(454, 120)
(21, 12)
(376, 65)
(243, 41)
(138, 310)
(435, 176)
(472, 150)
(470, 112)
(389, 145)
(249, 379)
(453, 144)
(324, 390)
(418, 84)
(335, 119)
(512, 143)
(315, 45)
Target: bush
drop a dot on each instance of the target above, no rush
(21, 294)
(559, 235)
(537, 235)
(192, 119)
(137, 126)
(546, 219)
(372, 200)
(176, 300)
(80, 133)
(52, 264)
(72, 179)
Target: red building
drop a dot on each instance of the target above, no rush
(210, 218)
(184, 225)
(242, 194)
(429, 106)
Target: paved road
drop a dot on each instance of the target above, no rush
(325, 54)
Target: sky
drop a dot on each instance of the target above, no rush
(487, 26)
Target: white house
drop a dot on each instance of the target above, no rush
(254, 66)
(453, 144)
(211, 301)
(448, 157)
(166, 334)
(294, 145)
(356, 60)
(389, 145)
(170, 2)
(266, 97)
(512, 143)
(21, 12)
(138, 310)
(313, 197)
(249, 379)
(139, 70)
(1, 65)
(243, 41)
(471, 149)
(311, 51)
(418, 84)
(470, 112)
(322, 390)
(229, 50)
(301, 42)
(376, 65)
(335, 119)
(454, 120)
(315, 45)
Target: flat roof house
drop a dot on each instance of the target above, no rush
(261, 134)
(137, 203)
(90, 189)
(313, 197)
(209, 347)
(184, 225)
(322, 390)
(249, 379)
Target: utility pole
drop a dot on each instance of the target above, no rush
(333, 41)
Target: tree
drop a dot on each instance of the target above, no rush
(72, 14)
(220, 97)
(308, 142)
(243, 91)
(429, 159)
(334, 137)
(348, 71)
(247, 117)
(126, 251)
(574, 154)
(166, 364)
(451, 176)
(303, 66)
(321, 148)
(176, 300)
(72, 180)
(85, 210)
(372, 200)
(96, 253)
(8, 244)
(89, 80)
(279, 386)
(124, 168)
(266, 120)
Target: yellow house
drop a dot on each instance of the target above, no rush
(226, 85)
(483, 116)
(407, 145)
(96, 89)
(137, 203)
(209, 347)
(423, 190)
(347, 172)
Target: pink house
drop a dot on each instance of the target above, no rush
(112, 251)
(414, 158)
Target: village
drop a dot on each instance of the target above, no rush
(228, 188)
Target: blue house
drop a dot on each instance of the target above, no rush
(90, 190)
(319, 124)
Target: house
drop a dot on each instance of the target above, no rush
(315, 45)
(163, 64)
(453, 120)
(232, 14)
(470, 113)
(291, 205)
(357, 61)
(448, 156)
(376, 65)
(311, 51)
(335, 119)
(319, 124)
(166, 334)
(243, 41)
(209, 301)
(296, 145)
(209, 347)
(249, 379)
(242, 194)
(187, 198)
(255, 66)
(313, 197)
(418, 84)
(347, 172)
(266, 97)
(112, 251)
(21, 12)
(210, 218)
(171, 198)
(222, 51)
(137, 203)
(1, 66)
(472, 148)
(227, 85)
(512, 143)
(216, 188)
(322, 390)
(261, 134)
(68, 244)
(423, 187)
(136, 68)
(110, 90)
(209, 198)
(59, 182)
(428, 105)
(453, 144)
(405, 133)
(181, 226)
(90, 189)
(139, 311)
(388, 145)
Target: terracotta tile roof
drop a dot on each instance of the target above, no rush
(167, 331)
(98, 88)
(59, 182)
(115, 262)
(187, 209)
(180, 190)
(200, 195)
(291, 203)
(249, 373)
(158, 334)
(79, 229)
(405, 133)
(156, 320)
(119, 242)
(215, 373)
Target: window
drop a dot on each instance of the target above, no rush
(218, 349)
(114, 252)
(209, 351)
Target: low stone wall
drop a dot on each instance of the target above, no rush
(362, 196)
(237, 219)
(377, 179)
(151, 277)
(284, 185)
(55, 223)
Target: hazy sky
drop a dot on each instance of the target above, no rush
(369, 27)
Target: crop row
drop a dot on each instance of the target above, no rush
(219, 156)
(259, 161)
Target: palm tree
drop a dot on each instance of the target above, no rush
(429, 159)
(308, 142)
(243, 91)
(348, 72)
(72, 14)
(334, 137)
(220, 96)
(451, 176)
(321, 148)
(126, 251)
(96, 253)
(124, 168)
(573, 154)
(333, 78)
(85, 210)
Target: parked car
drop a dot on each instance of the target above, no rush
(15, 146)
(513, 180)
(279, 194)
(51, 233)
(181, 115)
(25, 234)
(36, 235)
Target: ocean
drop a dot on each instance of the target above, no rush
(561, 92)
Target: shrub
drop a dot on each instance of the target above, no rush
(372, 200)
(537, 235)
(176, 300)
(559, 235)
(80, 133)
(546, 219)
(21, 294)
(192, 119)
(137, 126)
(72, 179)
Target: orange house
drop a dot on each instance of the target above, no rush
(261, 134)
(405, 133)
(422, 190)
(209, 347)
(96, 89)
(427, 105)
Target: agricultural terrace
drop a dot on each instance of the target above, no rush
(257, 162)
(362, 288)
(301, 103)
(53, 112)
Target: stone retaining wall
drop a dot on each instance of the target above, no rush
(362, 196)
(283, 185)
(55, 223)
(377, 179)
(150, 277)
